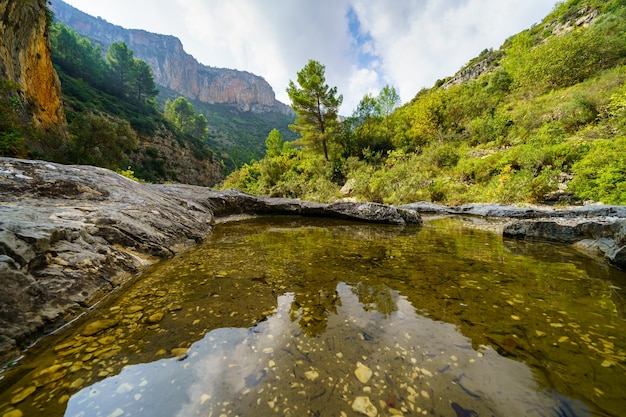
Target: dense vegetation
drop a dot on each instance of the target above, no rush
(236, 136)
(546, 121)
(109, 102)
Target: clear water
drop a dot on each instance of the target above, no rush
(277, 316)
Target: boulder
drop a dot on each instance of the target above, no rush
(603, 236)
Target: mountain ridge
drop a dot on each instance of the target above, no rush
(174, 68)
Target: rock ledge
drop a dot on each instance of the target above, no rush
(69, 235)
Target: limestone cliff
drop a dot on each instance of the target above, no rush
(174, 68)
(25, 60)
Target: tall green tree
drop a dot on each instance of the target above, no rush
(182, 113)
(316, 106)
(274, 143)
(200, 126)
(121, 61)
(388, 100)
(143, 81)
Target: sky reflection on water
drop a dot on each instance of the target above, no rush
(279, 313)
(419, 366)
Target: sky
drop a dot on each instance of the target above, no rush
(363, 44)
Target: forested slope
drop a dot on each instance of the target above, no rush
(540, 120)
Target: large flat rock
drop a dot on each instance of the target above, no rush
(69, 235)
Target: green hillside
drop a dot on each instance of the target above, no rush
(237, 137)
(540, 120)
(113, 120)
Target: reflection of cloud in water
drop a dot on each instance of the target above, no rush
(424, 364)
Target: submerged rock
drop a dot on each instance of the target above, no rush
(364, 406)
(362, 373)
(99, 325)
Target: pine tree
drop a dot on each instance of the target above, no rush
(316, 106)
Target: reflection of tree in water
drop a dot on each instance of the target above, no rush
(313, 309)
(377, 297)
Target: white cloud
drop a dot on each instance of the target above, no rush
(411, 43)
(422, 41)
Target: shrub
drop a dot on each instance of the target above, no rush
(600, 174)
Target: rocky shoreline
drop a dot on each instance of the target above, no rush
(69, 235)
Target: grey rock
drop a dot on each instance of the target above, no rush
(69, 235)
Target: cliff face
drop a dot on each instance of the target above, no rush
(25, 60)
(174, 68)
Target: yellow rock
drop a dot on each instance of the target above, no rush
(55, 377)
(64, 345)
(362, 373)
(180, 353)
(13, 413)
(107, 353)
(76, 366)
(23, 394)
(49, 370)
(155, 318)
(311, 375)
(98, 325)
(107, 340)
(363, 405)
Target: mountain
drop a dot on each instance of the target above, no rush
(174, 68)
(241, 107)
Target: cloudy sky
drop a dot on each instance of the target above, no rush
(364, 44)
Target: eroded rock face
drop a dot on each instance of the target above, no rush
(69, 235)
(600, 236)
(25, 60)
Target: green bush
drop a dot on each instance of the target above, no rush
(600, 175)
(567, 59)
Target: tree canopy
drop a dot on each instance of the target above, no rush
(183, 115)
(316, 105)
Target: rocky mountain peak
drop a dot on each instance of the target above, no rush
(175, 69)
